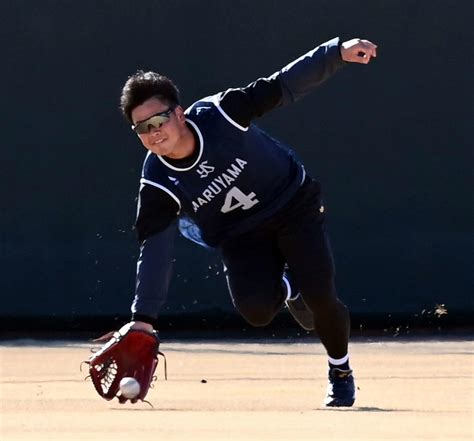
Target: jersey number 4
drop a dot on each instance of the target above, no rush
(236, 199)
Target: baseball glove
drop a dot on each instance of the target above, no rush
(127, 353)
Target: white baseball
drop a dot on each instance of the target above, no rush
(129, 387)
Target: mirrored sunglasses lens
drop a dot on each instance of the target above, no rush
(155, 121)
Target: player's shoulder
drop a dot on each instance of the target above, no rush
(209, 112)
(204, 106)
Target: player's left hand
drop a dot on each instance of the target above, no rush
(129, 352)
(358, 51)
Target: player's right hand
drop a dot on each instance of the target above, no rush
(358, 51)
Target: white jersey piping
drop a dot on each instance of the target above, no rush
(161, 187)
(215, 100)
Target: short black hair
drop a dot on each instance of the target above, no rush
(142, 86)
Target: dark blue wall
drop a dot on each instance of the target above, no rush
(391, 144)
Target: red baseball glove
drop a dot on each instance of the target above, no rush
(127, 353)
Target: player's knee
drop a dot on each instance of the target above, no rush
(257, 318)
(256, 314)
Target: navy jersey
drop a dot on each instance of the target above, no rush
(237, 177)
(240, 176)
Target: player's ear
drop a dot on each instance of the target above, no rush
(179, 112)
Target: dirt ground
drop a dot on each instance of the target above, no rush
(253, 391)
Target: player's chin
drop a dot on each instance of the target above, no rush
(160, 149)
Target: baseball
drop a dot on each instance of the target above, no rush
(129, 387)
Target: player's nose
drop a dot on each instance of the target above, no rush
(152, 130)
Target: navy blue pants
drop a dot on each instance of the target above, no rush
(295, 235)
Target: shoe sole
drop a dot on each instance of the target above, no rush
(340, 403)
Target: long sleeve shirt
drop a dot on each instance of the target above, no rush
(237, 177)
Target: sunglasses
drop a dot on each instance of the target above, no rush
(156, 121)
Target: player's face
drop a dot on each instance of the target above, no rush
(159, 127)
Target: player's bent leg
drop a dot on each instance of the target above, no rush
(257, 312)
(253, 267)
(259, 296)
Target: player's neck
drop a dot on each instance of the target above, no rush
(186, 144)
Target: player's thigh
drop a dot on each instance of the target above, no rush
(254, 268)
(308, 252)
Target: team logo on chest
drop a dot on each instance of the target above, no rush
(204, 170)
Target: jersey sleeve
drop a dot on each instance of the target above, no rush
(156, 210)
(158, 204)
(154, 268)
(289, 84)
(156, 225)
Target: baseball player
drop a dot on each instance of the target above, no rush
(224, 183)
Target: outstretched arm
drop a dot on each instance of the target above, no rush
(156, 227)
(295, 80)
(309, 71)
(153, 275)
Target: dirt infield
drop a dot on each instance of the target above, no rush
(253, 391)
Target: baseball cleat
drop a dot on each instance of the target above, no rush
(341, 388)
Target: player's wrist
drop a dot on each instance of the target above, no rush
(145, 319)
(341, 49)
(141, 326)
